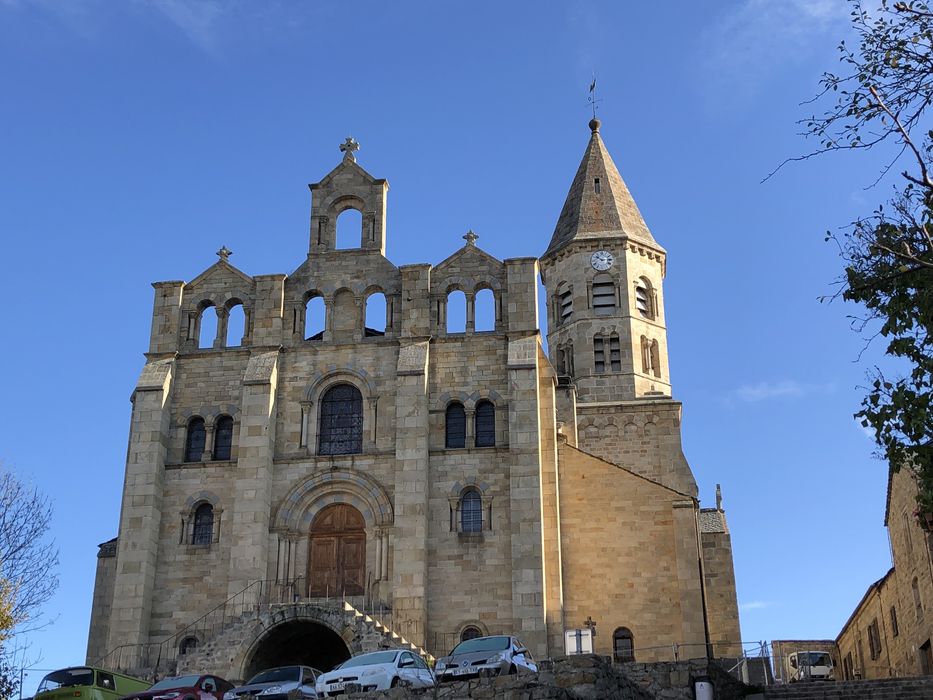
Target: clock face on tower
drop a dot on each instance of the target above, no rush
(601, 260)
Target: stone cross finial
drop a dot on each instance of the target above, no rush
(470, 237)
(348, 148)
(224, 253)
(591, 624)
(718, 497)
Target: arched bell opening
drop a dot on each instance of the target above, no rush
(297, 643)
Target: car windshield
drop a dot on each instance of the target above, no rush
(176, 682)
(815, 658)
(482, 644)
(376, 657)
(277, 675)
(66, 678)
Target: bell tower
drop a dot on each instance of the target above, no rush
(603, 274)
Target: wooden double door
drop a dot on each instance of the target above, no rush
(337, 556)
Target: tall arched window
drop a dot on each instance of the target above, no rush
(223, 438)
(203, 530)
(471, 512)
(207, 330)
(194, 440)
(315, 311)
(485, 424)
(375, 323)
(455, 426)
(349, 229)
(484, 310)
(456, 312)
(623, 645)
(341, 430)
(236, 326)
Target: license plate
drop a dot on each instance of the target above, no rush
(334, 687)
(462, 671)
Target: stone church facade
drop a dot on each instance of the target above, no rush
(451, 483)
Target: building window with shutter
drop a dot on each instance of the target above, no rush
(894, 629)
(874, 639)
(341, 424)
(644, 298)
(223, 438)
(564, 306)
(604, 295)
(599, 355)
(615, 353)
(195, 439)
(485, 424)
(455, 426)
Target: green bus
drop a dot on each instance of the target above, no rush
(87, 683)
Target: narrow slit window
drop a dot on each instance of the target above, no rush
(455, 426)
(599, 355)
(615, 354)
(596, 187)
(485, 423)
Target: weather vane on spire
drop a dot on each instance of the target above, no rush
(592, 96)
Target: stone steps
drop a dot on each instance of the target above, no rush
(880, 689)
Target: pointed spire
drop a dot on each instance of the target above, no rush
(599, 203)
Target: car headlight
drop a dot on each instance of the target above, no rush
(440, 666)
(271, 690)
(229, 695)
(166, 696)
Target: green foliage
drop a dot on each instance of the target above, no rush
(884, 96)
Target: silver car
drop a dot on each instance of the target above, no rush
(281, 683)
(485, 656)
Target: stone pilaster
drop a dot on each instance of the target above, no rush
(525, 502)
(166, 317)
(141, 512)
(252, 501)
(411, 493)
(687, 552)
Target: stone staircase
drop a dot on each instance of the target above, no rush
(880, 689)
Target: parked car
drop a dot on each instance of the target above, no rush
(485, 656)
(88, 682)
(185, 688)
(377, 670)
(284, 682)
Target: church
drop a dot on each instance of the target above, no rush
(308, 484)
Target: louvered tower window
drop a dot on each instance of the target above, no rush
(615, 354)
(485, 423)
(644, 298)
(223, 438)
(471, 512)
(194, 440)
(599, 354)
(604, 297)
(455, 426)
(564, 305)
(341, 421)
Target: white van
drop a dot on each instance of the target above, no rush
(810, 665)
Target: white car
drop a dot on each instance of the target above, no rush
(378, 670)
(485, 656)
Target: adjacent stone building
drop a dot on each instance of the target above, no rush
(450, 481)
(890, 631)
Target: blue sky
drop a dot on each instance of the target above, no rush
(140, 136)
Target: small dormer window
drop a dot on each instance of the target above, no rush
(596, 185)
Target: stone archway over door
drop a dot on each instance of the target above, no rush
(337, 552)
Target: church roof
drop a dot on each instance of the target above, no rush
(590, 214)
(712, 520)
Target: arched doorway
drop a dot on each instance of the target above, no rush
(297, 643)
(337, 552)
